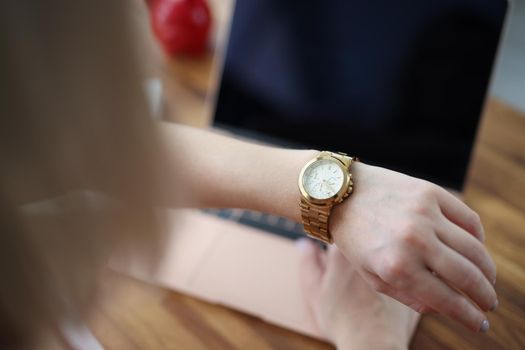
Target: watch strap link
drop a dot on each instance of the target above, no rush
(343, 158)
(315, 221)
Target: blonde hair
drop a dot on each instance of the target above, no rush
(77, 148)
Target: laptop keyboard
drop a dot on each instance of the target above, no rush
(267, 222)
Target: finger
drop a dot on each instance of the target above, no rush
(311, 268)
(323, 255)
(336, 262)
(460, 213)
(380, 286)
(445, 300)
(464, 275)
(338, 273)
(465, 244)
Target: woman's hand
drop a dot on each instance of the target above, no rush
(417, 243)
(408, 238)
(346, 309)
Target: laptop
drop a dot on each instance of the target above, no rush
(400, 84)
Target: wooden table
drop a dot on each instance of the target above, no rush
(136, 315)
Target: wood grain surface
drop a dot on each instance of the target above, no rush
(135, 315)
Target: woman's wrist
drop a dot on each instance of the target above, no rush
(340, 211)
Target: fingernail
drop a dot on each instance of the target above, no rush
(482, 234)
(495, 305)
(485, 325)
(302, 244)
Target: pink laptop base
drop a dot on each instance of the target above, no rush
(224, 262)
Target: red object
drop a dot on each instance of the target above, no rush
(181, 26)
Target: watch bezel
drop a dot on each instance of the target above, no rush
(337, 197)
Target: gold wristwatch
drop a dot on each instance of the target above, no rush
(324, 182)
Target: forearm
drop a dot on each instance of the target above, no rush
(212, 170)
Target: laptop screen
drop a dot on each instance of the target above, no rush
(401, 84)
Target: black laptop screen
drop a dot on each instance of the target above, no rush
(400, 84)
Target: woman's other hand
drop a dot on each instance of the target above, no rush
(350, 313)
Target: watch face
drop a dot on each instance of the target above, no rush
(323, 179)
